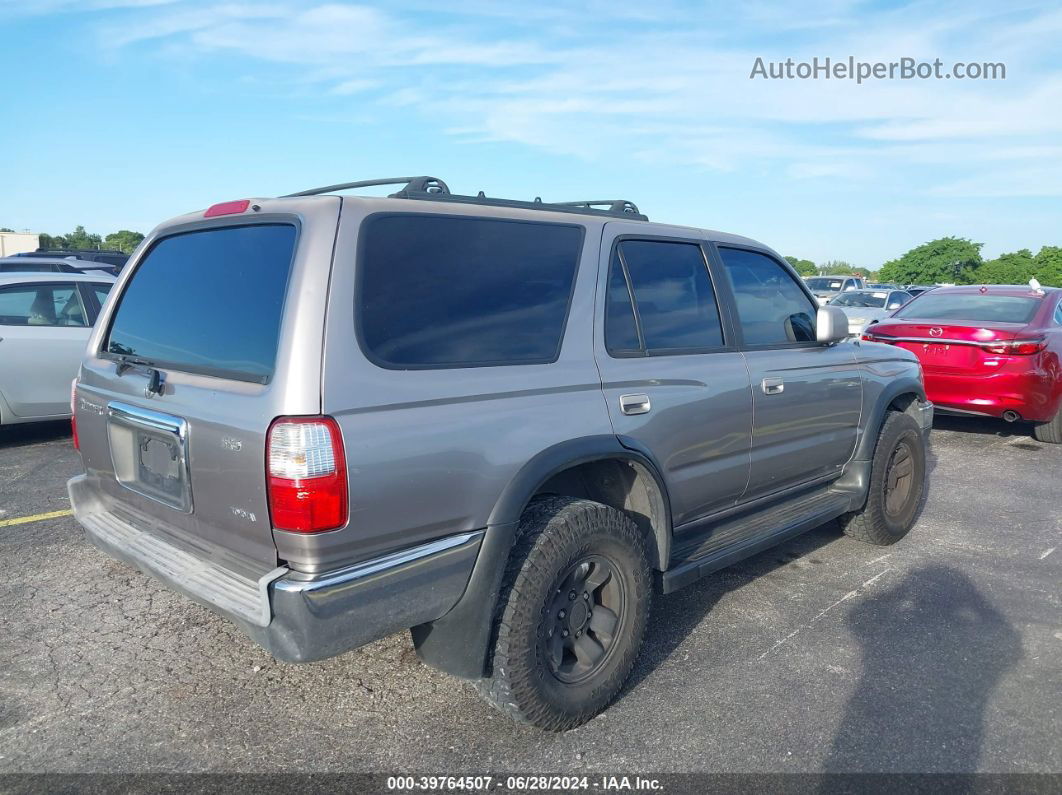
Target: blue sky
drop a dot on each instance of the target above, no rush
(121, 113)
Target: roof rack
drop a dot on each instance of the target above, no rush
(431, 185)
(434, 189)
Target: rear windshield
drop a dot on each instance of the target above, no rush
(442, 291)
(208, 302)
(874, 300)
(824, 285)
(971, 307)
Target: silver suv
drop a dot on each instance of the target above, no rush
(501, 424)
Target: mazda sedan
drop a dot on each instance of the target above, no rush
(992, 351)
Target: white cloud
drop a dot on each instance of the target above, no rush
(666, 82)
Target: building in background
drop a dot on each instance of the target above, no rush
(18, 243)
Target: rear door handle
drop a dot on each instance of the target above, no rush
(634, 404)
(772, 386)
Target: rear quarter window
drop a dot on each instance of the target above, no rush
(208, 302)
(440, 291)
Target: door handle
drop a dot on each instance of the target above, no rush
(634, 404)
(772, 386)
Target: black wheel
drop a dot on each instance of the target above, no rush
(571, 614)
(897, 484)
(1050, 432)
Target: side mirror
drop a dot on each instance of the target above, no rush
(831, 325)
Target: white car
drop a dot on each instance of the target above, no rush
(865, 306)
(826, 287)
(45, 320)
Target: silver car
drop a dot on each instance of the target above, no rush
(23, 264)
(826, 287)
(864, 307)
(499, 424)
(45, 320)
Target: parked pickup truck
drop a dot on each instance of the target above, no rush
(503, 425)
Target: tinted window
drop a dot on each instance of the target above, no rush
(898, 299)
(621, 329)
(438, 291)
(1058, 314)
(824, 284)
(208, 302)
(18, 267)
(772, 308)
(972, 307)
(41, 305)
(857, 298)
(101, 291)
(674, 296)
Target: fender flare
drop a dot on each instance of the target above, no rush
(458, 642)
(855, 479)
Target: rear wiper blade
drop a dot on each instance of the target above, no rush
(125, 362)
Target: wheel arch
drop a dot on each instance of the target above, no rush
(646, 496)
(457, 643)
(902, 394)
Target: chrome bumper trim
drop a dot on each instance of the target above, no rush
(368, 568)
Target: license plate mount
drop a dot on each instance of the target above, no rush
(149, 453)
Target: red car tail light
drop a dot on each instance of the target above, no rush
(874, 338)
(73, 413)
(306, 474)
(1026, 347)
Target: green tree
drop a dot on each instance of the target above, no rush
(79, 238)
(1017, 267)
(948, 259)
(1048, 268)
(804, 267)
(123, 240)
(5, 229)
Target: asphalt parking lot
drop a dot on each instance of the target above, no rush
(942, 653)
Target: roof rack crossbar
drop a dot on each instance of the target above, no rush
(412, 185)
(434, 188)
(613, 205)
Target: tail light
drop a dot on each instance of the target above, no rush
(1025, 347)
(869, 337)
(73, 413)
(306, 473)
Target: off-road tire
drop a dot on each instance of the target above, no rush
(1050, 432)
(874, 524)
(554, 535)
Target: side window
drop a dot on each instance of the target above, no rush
(898, 299)
(41, 305)
(772, 308)
(621, 328)
(447, 291)
(1058, 313)
(675, 301)
(101, 291)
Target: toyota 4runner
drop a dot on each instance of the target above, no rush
(501, 424)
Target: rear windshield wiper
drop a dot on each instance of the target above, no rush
(156, 379)
(125, 362)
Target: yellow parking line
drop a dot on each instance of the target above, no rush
(40, 517)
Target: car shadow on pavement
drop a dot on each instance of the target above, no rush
(677, 614)
(33, 433)
(933, 651)
(985, 426)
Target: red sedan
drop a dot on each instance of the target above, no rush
(993, 351)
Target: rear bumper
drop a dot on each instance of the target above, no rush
(296, 617)
(992, 396)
